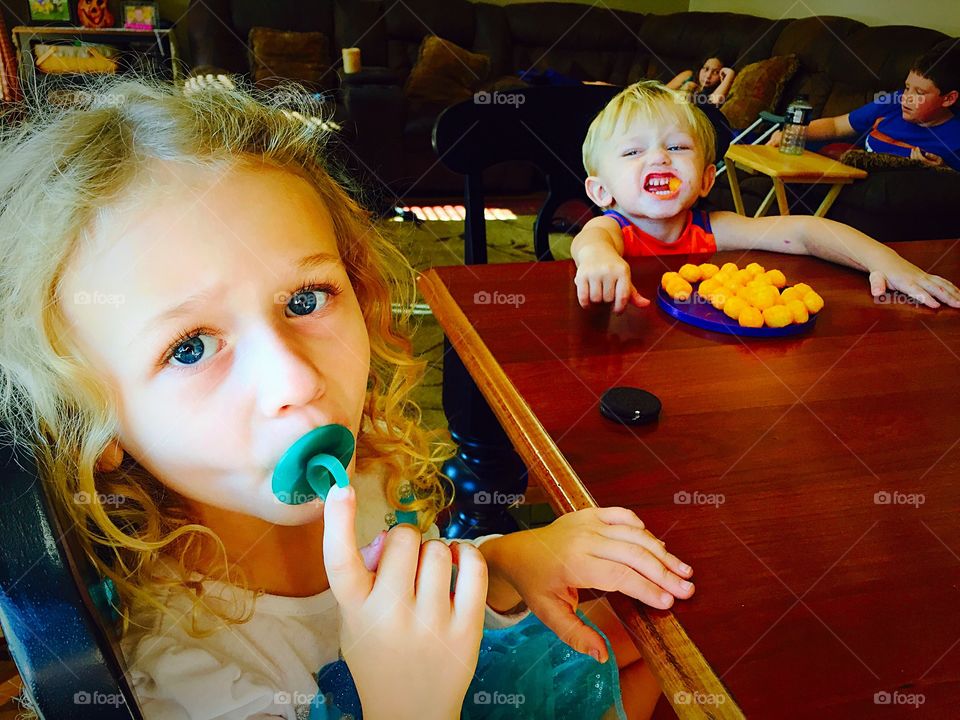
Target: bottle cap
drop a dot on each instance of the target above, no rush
(311, 466)
(630, 406)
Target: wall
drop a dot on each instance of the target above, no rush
(657, 7)
(942, 15)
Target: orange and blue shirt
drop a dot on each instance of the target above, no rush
(696, 237)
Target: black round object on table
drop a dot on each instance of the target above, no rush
(630, 406)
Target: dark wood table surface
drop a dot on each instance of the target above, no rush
(813, 483)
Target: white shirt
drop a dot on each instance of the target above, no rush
(264, 668)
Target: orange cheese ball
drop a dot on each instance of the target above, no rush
(750, 317)
(802, 289)
(813, 302)
(679, 289)
(777, 316)
(760, 281)
(766, 297)
(690, 273)
(775, 278)
(708, 286)
(724, 278)
(708, 270)
(742, 277)
(799, 311)
(734, 306)
(667, 278)
(719, 297)
(756, 269)
(790, 294)
(729, 267)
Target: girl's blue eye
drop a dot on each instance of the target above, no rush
(191, 350)
(306, 300)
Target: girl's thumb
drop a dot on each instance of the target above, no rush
(560, 617)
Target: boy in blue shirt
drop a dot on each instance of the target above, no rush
(917, 122)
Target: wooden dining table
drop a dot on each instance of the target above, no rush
(813, 482)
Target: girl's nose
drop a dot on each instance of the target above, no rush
(282, 371)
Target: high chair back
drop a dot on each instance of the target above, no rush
(52, 607)
(544, 126)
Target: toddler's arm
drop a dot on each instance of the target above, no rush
(836, 242)
(602, 273)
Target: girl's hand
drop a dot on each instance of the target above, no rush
(604, 548)
(411, 645)
(726, 73)
(604, 276)
(896, 273)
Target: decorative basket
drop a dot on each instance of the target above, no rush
(75, 58)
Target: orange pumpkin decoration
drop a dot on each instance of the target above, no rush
(94, 13)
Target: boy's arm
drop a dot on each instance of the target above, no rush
(838, 243)
(602, 273)
(829, 128)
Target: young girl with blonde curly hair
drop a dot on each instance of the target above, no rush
(187, 291)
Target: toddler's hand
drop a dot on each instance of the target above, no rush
(401, 629)
(604, 548)
(896, 273)
(604, 276)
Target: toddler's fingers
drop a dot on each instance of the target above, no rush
(397, 574)
(620, 515)
(878, 283)
(560, 617)
(350, 580)
(583, 290)
(646, 561)
(943, 290)
(596, 290)
(637, 299)
(609, 288)
(470, 593)
(622, 296)
(914, 290)
(371, 553)
(609, 575)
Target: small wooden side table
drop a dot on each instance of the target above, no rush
(808, 168)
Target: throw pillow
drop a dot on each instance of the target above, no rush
(278, 55)
(758, 87)
(445, 73)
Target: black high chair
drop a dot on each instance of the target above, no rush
(544, 126)
(54, 610)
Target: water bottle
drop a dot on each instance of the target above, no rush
(795, 126)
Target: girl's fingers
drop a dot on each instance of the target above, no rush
(350, 580)
(596, 290)
(878, 283)
(643, 539)
(398, 565)
(583, 291)
(914, 290)
(646, 563)
(619, 516)
(609, 289)
(622, 295)
(561, 618)
(470, 594)
(942, 290)
(433, 580)
(614, 576)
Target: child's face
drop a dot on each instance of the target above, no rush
(710, 73)
(209, 415)
(652, 170)
(921, 100)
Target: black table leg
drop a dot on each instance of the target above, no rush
(487, 473)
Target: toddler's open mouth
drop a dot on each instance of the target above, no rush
(662, 185)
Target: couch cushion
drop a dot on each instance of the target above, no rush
(407, 23)
(814, 41)
(445, 72)
(582, 42)
(681, 41)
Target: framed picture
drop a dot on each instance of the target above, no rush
(50, 12)
(141, 16)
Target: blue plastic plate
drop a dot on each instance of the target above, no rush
(698, 311)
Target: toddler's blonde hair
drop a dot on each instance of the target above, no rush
(58, 169)
(650, 102)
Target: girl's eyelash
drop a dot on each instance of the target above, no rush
(331, 288)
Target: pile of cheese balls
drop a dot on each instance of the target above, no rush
(752, 296)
